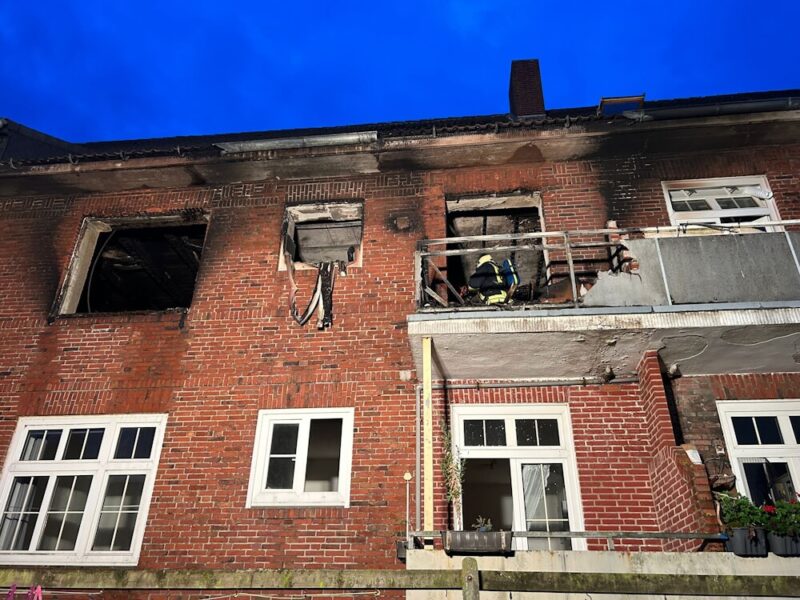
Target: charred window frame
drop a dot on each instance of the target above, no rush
(133, 264)
(322, 232)
(517, 212)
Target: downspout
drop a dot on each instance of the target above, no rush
(427, 421)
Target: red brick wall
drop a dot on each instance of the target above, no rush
(682, 494)
(696, 399)
(238, 351)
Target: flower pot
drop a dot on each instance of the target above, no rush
(784, 545)
(747, 541)
(477, 542)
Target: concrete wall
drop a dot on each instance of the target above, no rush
(706, 563)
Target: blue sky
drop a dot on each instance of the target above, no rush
(93, 70)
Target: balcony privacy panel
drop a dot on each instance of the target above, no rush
(703, 269)
(731, 268)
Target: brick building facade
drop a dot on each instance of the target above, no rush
(141, 435)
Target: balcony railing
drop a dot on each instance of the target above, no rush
(652, 266)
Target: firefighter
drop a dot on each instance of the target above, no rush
(488, 281)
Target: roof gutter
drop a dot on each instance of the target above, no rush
(339, 139)
(717, 109)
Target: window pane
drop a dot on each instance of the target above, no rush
(22, 512)
(62, 525)
(135, 442)
(545, 500)
(133, 492)
(126, 442)
(795, 420)
(768, 430)
(768, 481)
(473, 433)
(324, 449)
(41, 445)
(726, 203)
(127, 522)
(83, 444)
(526, 432)
(699, 205)
(680, 206)
(284, 438)
(144, 445)
(75, 444)
(93, 441)
(746, 202)
(119, 513)
(548, 432)
(105, 531)
(280, 473)
(745, 430)
(114, 490)
(495, 432)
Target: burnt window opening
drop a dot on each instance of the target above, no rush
(134, 265)
(497, 215)
(322, 233)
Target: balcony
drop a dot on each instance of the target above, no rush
(592, 300)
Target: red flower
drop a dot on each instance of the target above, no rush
(768, 508)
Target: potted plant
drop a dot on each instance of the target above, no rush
(453, 472)
(783, 527)
(744, 523)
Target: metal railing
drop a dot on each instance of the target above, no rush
(609, 536)
(568, 258)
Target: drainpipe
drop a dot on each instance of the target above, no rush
(427, 420)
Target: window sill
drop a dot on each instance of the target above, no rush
(300, 502)
(176, 314)
(68, 559)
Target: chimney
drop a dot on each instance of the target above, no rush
(525, 88)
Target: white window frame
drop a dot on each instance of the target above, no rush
(100, 469)
(769, 211)
(788, 452)
(563, 454)
(258, 495)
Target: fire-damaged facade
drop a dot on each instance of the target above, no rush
(548, 339)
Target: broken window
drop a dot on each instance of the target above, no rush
(134, 264)
(321, 233)
(325, 237)
(496, 215)
(302, 457)
(519, 471)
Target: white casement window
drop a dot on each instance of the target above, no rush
(76, 490)
(302, 458)
(519, 471)
(763, 442)
(720, 201)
